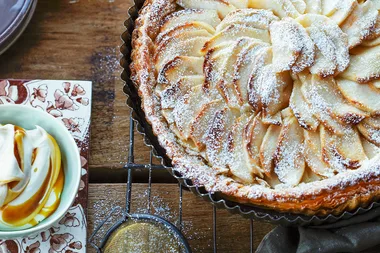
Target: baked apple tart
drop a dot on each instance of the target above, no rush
(273, 103)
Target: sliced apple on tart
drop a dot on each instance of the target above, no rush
(368, 57)
(364, 96)
(259, 19)
(313, 154)
(360, 22)
(222, 7)
(289, 162)
(183, 17)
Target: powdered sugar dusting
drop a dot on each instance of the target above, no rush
(313, 42)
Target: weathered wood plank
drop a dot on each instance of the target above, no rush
(81, 41)
(232, 230)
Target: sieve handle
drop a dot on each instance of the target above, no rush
(96, 230)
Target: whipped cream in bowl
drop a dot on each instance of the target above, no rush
(40, 171)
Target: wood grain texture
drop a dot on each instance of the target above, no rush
(80, 41)
(232, 230)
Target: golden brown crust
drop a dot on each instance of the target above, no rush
(330, 196)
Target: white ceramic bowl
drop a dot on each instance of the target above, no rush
(27, 117)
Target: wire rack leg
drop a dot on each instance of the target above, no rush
(180, 208)
(130, 161)
(214, 229)
(150, 181)
(251, 234)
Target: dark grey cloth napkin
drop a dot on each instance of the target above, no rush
(362, 232)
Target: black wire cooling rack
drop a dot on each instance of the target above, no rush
(131, 166)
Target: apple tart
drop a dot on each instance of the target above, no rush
(273, 103)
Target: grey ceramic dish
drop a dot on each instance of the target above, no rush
(250, 212)
(14, 18)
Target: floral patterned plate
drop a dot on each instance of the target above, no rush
(69, 101)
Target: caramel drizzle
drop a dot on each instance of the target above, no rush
(53, 183)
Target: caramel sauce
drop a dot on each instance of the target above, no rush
(53, 183)
(12, 184)
(15, 215)
(34, 154)
(57, 190)
(18, 146)
(33, 222)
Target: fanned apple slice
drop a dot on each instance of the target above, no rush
(185, 40)
(240, 4)
(370, 133)
(373, 39)
(364, 96)
(222, 7)
(326, 96)
(187, 108)
(180, 66)
(333, 46)
(234, 32)
(310, 176)
(214, 62)
(184, 32)
(307, 56)
(325, 61)
(313, 154)
(281, 8)
(220, 66)
(368, 57)
(373, 122)
(313, 6)
(338, 152)
(183, 17)
(259, 19)
(226, 85)
(320, 108)
(359, 23)
(190, 47)
(300, 5)
(301, 108)
(335, 100)
(275, 92)
(260, 60)
(322, 65)
(371, 43)
(345, 150)
(370, 149)
(216, 138)
(289, 160)
(237, 160)
(254, 133)
(340, 41)
(329, 7)
(376, 84)
(269, 119)
(271, 90)
(172, 94)
(331, 43)
(247, 63)
(338, 10)
(202, 122)
(376, 4)
(287, 113)
(268, 149)
(287, 43)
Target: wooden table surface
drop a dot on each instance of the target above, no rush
(80, 40)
